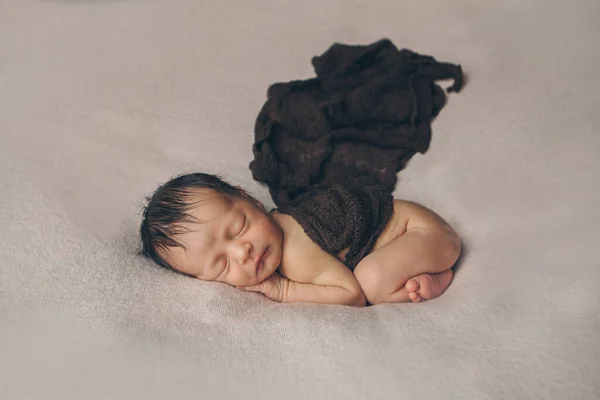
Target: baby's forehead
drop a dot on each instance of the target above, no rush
(207, 204)
(202, 195)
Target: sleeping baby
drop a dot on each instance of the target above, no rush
(203, 227)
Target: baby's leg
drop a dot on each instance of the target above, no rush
(424, 255)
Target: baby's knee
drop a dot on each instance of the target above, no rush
(370, 282)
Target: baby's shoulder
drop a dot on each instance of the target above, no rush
(296, 242)
(302, 259)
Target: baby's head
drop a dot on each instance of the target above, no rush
(201, 226)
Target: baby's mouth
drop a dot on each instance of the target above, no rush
(260, 261)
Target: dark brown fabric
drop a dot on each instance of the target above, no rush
(329, 147)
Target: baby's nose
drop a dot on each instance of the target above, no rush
(242, 252)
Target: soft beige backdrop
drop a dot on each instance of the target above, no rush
(102, 100)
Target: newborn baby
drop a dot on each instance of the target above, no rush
(201, 226)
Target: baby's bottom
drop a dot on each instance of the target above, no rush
(412, 267)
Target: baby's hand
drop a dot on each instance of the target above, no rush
(274, 287)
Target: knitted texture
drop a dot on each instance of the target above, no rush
(329, 147)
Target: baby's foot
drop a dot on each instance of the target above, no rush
(428, 286)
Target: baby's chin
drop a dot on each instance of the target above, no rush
(250, 282)
(264, 277)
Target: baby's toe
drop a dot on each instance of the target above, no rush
(412, 285)
(414, 296)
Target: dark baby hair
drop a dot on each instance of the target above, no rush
(168, 208)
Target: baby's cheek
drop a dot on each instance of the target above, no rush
(274, 236)
(235, 278)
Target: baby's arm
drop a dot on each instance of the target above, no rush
(309, 274)
(317, 277)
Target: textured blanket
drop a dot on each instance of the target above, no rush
(329, 148)
(101, 101)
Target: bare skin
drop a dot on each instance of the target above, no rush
(236, 242)
(411, 261)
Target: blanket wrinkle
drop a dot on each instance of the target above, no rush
(329, 147)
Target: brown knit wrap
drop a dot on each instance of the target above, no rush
(329, 147)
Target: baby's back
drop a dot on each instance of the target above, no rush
(303, 260)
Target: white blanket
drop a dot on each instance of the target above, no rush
(100, 101)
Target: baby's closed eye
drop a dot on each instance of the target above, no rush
(238, 227)
(242, 226)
